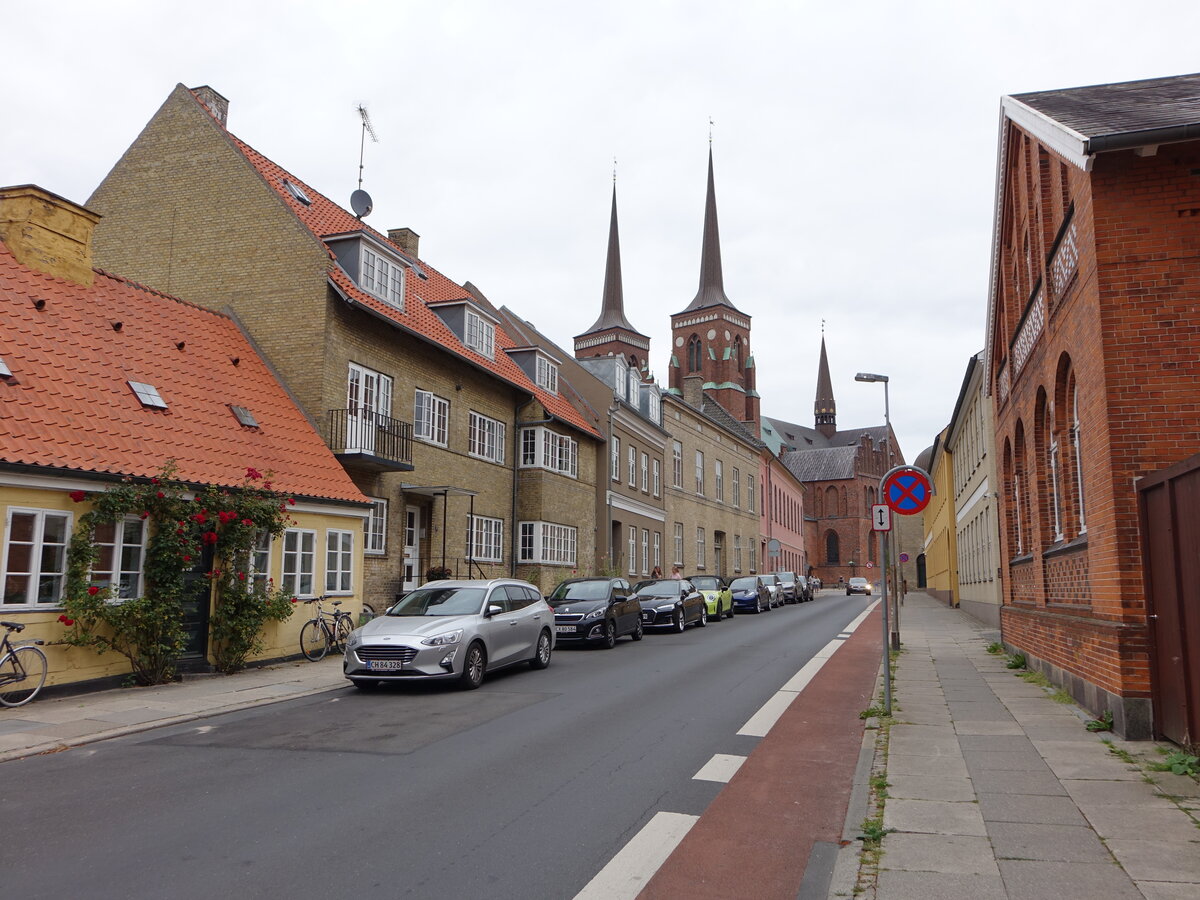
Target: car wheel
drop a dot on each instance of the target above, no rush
(679, 622)
(610, 635)
(541, 656)
(639, 631)
(868, 593)
(474, 665)
(703, 615)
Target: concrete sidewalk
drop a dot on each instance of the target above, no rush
(995, 790)
(50, 725)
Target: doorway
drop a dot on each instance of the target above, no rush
(410, 575)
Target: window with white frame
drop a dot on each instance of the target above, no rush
(547, 374)
(700, 472)
(121, 548)
(1076, 444)
(619, 380)
(750, 496)
(631, 469)
(375, 528)
(35, 557)
(655, 407)
(645, 551)
(719, 479)
(431, 418)
(737, 553)
(679, 543)
(383, 278)
(616, 459)
(481, 334)
(677, 464)
(658, 550)
(339, 561)
(753, 554)
(737, 487)
(635, 382)
(260, 559)
(485, 539)
(699, 547)
(632, 550)
(645, 473)
(299, 562)
(548, 543)
(542, 448)
(657, 467)
(485, 438)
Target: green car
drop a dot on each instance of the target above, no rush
(716, 595)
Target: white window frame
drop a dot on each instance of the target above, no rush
(375, 528)
(382, 278)
(645, 473)
(339, 561)
(753, 546)
(615, 464)
(737, 553)
(548, 543)
(632, 550)
(479, 334)
(542, 448)
(547, 375)
(737, 488)
(645, 551)
(635, 381)
(677, 464)
(700, 472)
(750, 499)
(485, 438)
(299, 562)
(485, 539)
(431, 418)
(1055, 499)
(658, 550)
(260, 558)
(115, 575)
(1076, 442)
(657, 476)
(632, 468)
(37, 549)
(700, 547)
(655, 407)
(679, 543)
(719, 479)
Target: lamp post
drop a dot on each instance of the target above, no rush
(887, 563)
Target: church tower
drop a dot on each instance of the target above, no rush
(711, 337)
(611, 334)
(825, 409)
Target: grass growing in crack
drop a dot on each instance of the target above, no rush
(872, 712)
(1061, 696)
(880, 785)
(1104, 723)
(1016, 661)
(872, 832)
(1035, 678)
(1118, 752)
(995, 648)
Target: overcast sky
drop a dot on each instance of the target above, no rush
(854, 147)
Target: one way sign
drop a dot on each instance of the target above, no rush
(881, 517)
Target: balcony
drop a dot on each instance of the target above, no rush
(370, 441)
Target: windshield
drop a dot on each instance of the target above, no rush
(440, 601)
(858, 581)
(580, 590)
(669, 588)
(787, 577)
(706, 583)
(743, 584)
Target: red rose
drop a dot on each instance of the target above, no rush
(77, 495)
(155, 481)
(68, 622)
(93, 590)
(266, 485)
(187, 559)
(62, 618)
(291, 501)
(294, 600)
(247, 522)
(200, 518)
(160, 495)
(241, 576)
(210, 537)
(143, 515)
(253, 474)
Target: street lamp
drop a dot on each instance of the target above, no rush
(889, 561)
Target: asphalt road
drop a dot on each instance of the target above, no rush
(522, 789)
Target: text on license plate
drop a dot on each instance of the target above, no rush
(385, 664)
(565, 629)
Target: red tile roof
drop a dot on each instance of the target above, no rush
(324, 217)
(68, 404)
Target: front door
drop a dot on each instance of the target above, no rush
(411, 573)
(197, 599)
(719, 553)
(368, 402)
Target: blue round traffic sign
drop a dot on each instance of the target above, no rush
(907, 490)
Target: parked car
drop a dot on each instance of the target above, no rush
(858, 586)
(453, 630)
(775, 586)
(717, 595)
(791, 588)
(597, 610)
(750, 592)
(671, 603)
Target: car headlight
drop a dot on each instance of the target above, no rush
(664, 607)
(596, 614)
(449, 637)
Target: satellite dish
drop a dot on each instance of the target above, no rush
(361, 203)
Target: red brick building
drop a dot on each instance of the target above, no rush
(1093, 339)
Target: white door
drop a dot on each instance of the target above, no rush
(368, 404)
(411, 576)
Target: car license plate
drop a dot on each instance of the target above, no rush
(385, 664)
(565, 629)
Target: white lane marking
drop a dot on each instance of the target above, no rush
(722, 767)
(631, 869)
(768, 714)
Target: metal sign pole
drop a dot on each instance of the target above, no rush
(887, 656)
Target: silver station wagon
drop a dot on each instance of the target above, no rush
(453, 630)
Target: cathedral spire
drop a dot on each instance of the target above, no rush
(825, 408)
(712, 282)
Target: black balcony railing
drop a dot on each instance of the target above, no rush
(371, 439)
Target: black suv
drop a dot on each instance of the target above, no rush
(595, 610)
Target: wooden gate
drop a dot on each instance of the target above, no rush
(1169, 513)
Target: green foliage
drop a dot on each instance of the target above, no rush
(1061, 696)
(873, 831)
(1118, 752)
(880, 785)
(1034, 678)
(872, 712)
(995, 648)
(437, 573)
(148, 629)
(1180, 763)
(1104, 723)
(1016, 661)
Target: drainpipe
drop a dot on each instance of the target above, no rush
(514, 528)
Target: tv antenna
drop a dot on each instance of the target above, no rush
(360, 200)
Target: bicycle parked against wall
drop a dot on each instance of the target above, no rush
(22, 668)
(325, 630)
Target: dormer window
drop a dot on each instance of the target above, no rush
(655, 410)
(481, 335)
(634, 385)
(619, 380)
(148, 395)
(547, 374)
(383, 278)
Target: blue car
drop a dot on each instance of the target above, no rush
(750, 593)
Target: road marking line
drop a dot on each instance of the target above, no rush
(722, 767)
(631, 869)
(768, 714)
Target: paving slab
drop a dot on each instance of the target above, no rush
(1091, 769)
(1165, 890)
(1111, 793)
(994, 742)
(1030, 809)
(939, 886)
(1005, 761)
(1054, 843)
(993, 781)
(934, 817)
(953, 854)
(1166, 823)
(910, 764)
(1159, 860)
(1039, 880)
(930, 787)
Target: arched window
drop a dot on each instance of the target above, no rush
(1076, 453)
(832, 556)
(693, 354)
(1050, 445)
(831, 501)
(1020, 493)
(737, 355)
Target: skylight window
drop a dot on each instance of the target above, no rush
(5, 371)
(244, 416)
(148, 394)
(296, 191)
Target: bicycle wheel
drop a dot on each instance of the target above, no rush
(22, 674)
(341, 633)
(314, 640)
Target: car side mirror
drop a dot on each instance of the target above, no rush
(494, 610)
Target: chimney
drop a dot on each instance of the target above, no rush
(693, 390)
(406, 239)
(214, 103)
(48, 233)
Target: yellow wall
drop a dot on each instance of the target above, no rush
(941, 566)
(70, 664)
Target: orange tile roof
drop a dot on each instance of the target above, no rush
(68, 404)
(324, 217)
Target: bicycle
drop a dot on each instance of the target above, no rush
(20, 664)
(324, 631)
